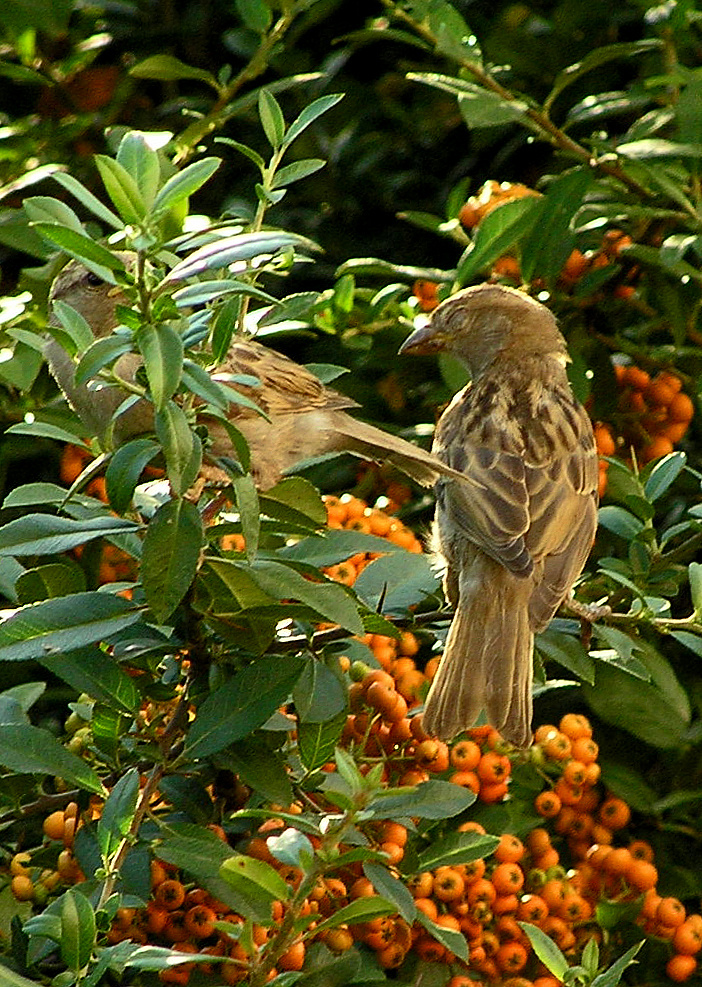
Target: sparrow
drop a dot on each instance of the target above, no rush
(302, 417)
(513, 543)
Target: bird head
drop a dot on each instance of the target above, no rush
(89, 294)
(479, 324)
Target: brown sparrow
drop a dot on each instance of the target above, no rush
(304, 418)
(514, 543)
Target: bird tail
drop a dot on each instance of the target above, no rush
(370, 442)
(487, 661)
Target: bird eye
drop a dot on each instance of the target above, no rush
(94, 280)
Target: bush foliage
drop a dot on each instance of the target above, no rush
(213, 765)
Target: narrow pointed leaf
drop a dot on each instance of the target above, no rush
(26, 749)
(185, 183)
(170, 557)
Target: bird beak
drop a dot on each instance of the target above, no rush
(425, 340)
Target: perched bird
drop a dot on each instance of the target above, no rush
(305, 418)
(515, 542)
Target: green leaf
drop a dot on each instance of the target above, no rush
(91, 671)
(291, 847)
(44, 209)
(360, 910)
(118, 812)
(694, 574)
(546, 950)
(99, 354)
(46, 430)
(454, 941)
(316, 741)
(637, 706)
(233, 249)
(142, 163)
(390, 888)
(185, 183)
(457, 848)
(664, 473)
(611, 977)
(309, 115)
(297, 171)
(500, 230)
(242, 705)
(320, 694)
(44, 534)
(96, 258)
(78, 930)
(294, 498)
(256, 14)
(620, 521)
(330, 601)
(162, 349)
(122, 189)
(30, 750)
(568, 651)
(87, 199)
(206, 291)
(336, 545)
(45, 582)
(124, 471)
(550, 241)
(429, 800)
(167, 68)
(272, 119)
(12, 979)
(254, 878)
(249, 511)
(596, 59)
(656, 148)
(54, 626)
(75, 325)
(479, 107)
(397, 582)
(181, 447)
(171, 553)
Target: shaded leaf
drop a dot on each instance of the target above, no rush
(170, 557)
(242, 705)
(30, 750)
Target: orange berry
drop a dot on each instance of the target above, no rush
(641, 850)
(532, 908)
(510, 849)
(680, 967)
(381, 697)
(170, 894)
(22, 887)
(508, 878)
(659, 392)
(427, 906)
(511, 957)
(538, 841)
(584, 749)
(617, 862)
(558, 746)
(660, 446)
(641, 875)
(448, 884)
(575, 725)
(294, 958)
(465, 755)
(54, 825)
(429, 949)
(688, 936)
(432, 755)
(421, 885)
(670, 912)
(547, 804)
(681, 409)
(635, 377)
(493, 768)
(491, 794)
(466, 779)
(199, 921)
(614, 813)
(604, 441)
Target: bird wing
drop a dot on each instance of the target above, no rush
(285, 387)
(533, 452)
